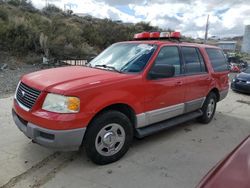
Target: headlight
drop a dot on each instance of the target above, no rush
(248, 82)
(61, 104)
(233, 80)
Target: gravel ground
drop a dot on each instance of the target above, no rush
(9, 78)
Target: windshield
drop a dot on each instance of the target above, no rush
(247, 70)
(124, 57)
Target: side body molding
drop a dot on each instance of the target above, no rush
(155, 116)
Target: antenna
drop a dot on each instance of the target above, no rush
(206, 32)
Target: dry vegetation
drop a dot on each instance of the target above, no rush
(25, 30)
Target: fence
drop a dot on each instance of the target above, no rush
(75, 62)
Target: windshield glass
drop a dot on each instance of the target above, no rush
(247, 70)
(124, 57)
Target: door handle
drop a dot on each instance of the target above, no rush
(179, 83)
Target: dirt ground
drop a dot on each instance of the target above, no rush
(178, 157)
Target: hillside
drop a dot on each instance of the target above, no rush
(26, 31)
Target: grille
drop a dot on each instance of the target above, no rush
(26, 95)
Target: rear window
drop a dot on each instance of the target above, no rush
(217, 59)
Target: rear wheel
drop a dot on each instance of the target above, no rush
(108, 137)
(208, 108)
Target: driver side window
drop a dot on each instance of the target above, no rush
(169, 55)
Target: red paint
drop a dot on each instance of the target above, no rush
(231, 172)
(143, 35)
(98, 89)
(155, 35)
(235, 68)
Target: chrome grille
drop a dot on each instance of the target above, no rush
(26, 95)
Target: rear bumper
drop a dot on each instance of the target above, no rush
(223, 94)
(62, 140)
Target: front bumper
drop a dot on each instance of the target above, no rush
(62, 140)
(240, 87)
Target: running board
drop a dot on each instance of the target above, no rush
(157, 127)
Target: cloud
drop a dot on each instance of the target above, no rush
(227, 18)
(97, 9)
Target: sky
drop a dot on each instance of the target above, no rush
(226, 17)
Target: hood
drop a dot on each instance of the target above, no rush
(243, 76)
(61, 80)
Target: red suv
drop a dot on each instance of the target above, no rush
(133, 88)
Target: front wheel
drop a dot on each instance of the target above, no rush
(108, 137)
(208, 108)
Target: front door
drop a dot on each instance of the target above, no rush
(164, 97)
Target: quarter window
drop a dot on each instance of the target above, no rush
(217, 59)
(194, 62)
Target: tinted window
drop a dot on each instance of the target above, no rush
(169, 55)
(194, 62)
(217, 59)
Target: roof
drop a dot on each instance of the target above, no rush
(227, 42)
(171, 42)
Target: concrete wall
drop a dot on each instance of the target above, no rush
(227, 46)
(246, 40)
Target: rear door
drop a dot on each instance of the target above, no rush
(197, 79)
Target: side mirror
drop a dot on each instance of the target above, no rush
(162, 71)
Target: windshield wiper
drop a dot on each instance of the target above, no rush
(108, 67)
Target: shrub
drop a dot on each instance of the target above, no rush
(50, 9)
(57, 34)
(3, 15)
(20, 38)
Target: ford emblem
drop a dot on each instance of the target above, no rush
(23, 93)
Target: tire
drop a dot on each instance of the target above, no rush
(108, 137)
(208, 108)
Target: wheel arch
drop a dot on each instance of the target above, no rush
(216, 92)
(121, 107)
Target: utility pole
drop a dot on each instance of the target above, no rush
(206, 32)
(47, 2)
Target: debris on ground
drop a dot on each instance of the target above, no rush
(109, 171)
(4, 66)
(187, 129)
